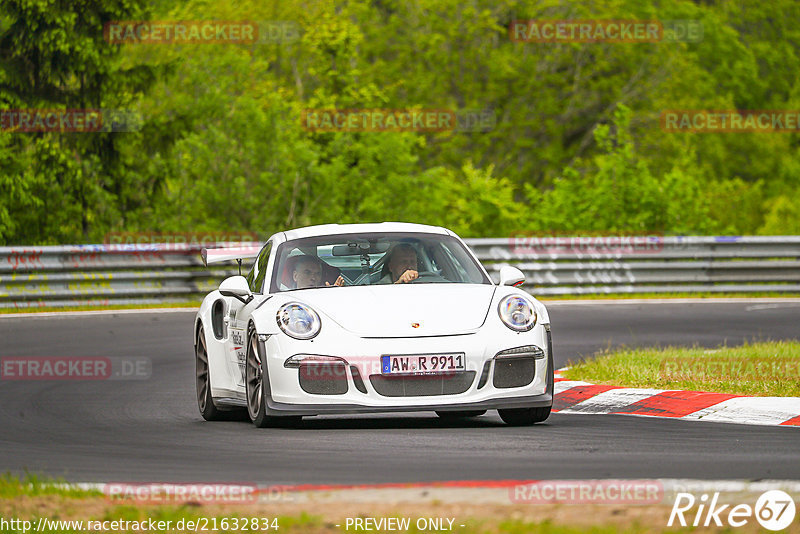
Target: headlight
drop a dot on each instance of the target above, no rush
(517, 313)
(298, 320)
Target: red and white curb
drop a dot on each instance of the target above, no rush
(574, 396)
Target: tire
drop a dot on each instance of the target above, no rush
(524, 416)
(460, 415)
(256, 389)
(203, 382)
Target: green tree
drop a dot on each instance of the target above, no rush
(53, 56)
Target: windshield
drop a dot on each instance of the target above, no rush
(374, 259)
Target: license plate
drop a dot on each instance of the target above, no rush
(423, 363)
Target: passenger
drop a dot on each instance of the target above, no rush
(401, 266)
(308, 273)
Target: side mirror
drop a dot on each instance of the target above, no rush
(511, 276)
(236, 287)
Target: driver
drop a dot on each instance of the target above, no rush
(308, 273)
(402, 265)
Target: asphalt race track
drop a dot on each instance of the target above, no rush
(150, 430)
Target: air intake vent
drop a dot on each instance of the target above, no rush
(513, 372)
(485, 374)
(422, 385)
(357, 379)
(323, 378)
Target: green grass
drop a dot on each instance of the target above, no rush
(31, 485)
(763, 369)
(29, 497)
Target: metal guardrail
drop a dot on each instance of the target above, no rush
(158, 273)
(647, 264)
(99, 275)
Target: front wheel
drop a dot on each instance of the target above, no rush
(255, 388)
(524, 416)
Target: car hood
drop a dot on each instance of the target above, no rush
(393, 310)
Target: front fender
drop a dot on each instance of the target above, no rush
(222, 383)
(264, 316)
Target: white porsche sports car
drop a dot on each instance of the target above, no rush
(358, 318)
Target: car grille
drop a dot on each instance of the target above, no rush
(323, 378)
(513, 372)
(422, 385)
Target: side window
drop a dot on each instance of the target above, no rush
(260, 268)
(251, 277)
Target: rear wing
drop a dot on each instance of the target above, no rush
(217, 255)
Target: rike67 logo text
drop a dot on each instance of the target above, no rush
(774, 510)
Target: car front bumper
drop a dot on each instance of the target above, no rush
(285, 396)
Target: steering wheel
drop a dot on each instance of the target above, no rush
(426, 275)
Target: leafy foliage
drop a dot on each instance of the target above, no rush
(576, 147)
